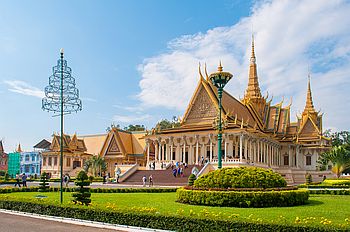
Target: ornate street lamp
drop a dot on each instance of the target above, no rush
(61, 96)
(219, 80)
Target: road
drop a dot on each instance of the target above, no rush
(15, 223)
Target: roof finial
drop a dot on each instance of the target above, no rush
(199, 70)
(252, 58)
(19, 149)
(205, 70)
(220, 67)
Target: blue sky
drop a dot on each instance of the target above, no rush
(136, 62)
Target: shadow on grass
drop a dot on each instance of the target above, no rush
(313, 203)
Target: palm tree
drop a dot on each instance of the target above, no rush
(95, 164)
(339, 156)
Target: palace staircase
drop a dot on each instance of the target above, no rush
(163, 177)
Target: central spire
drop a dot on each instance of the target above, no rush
(309, 106)
(253, 89)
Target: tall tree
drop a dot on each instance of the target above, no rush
(339, 155)
(95, 165)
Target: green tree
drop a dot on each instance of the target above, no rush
(166, 124)
(44, 185)
(95, 165)
(339, 156)
(82, 194)
(135, 128)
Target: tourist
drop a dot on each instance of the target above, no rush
(174, 172)
(161, 165)
(150, 181)
(107, 178)
(154, 165)
(150, 166)
(104, 178)
(17, 181)
(117, 178)
(24, 180)
(65, 180)
(144, 179)
(181, 172)
(185, 164)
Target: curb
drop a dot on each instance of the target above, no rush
(80, 222)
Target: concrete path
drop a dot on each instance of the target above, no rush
(13, 221)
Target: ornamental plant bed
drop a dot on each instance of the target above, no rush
(244, 199)
(242, 187)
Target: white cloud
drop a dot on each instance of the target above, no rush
(24, 88)
(289, 36)
(135, 118)
(88, 99)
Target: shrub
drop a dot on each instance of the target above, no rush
(242, 177)
(243, 198)
(82, 194)
(43, 185)
(342, 182)
(191, 179)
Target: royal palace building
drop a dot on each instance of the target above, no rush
(117, 147)
(256, 132)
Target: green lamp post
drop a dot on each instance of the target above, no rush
(219, 80)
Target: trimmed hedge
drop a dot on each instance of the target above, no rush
(255, 199)
(241, 177)
(156, 221)
(94, 190)
(330, 191)
(337, 182)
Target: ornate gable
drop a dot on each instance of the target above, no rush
(202, 108)
(73, 145)
(113, 144)
(55, 145)
(113, 147)
(308, 129)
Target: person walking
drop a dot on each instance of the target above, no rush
(66, 180)
(17, 181)
(150, 181)
(24, 180)
(174, 172)
(117, 178)
(144, 179)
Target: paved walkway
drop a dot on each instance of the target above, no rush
(94, 185)
(12, 221)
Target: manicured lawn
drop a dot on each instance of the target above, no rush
(321, 209)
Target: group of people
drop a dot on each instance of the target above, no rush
(21, 178)
(150, 179)
(178, 169)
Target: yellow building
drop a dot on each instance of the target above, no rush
(117, 147)
(256, 132)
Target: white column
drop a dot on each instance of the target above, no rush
(171, 152)
(148, 152)
(240, 148)
(162, 155)
(225, 150)
(236, 147)
(211, 151)
(156, 151)
(160, 152)
(197, 155)
(183, 153)
(297, 155)
(246, 148)
(290, 161)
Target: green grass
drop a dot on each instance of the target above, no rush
(333, 208)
